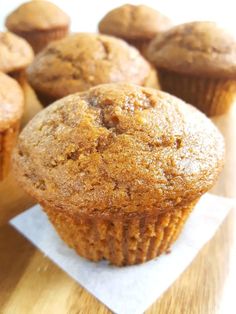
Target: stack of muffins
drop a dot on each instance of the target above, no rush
(117, 165)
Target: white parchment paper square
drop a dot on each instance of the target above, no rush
(128, 290)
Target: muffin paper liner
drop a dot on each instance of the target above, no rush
(134, 288)
(211, 96)
(7, 141)
(39, 39)
(121, 241)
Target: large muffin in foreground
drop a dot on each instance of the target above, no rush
(197, 62)
(81, 61)
(15, 55)
(39, 22)
(11, 110)
(136, 24)
(118, 169)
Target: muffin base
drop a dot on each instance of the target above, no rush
(211, 96)
(7, 141)
(39, 39)
(121, 241)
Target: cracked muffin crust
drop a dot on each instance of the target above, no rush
(39, 22)
(197, 62)
(81, 61)
(136, 24)
(15, 53)
(114, 156)
(11, 110)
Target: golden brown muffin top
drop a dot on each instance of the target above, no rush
(15, 52)
(118, 148)
(36, 15)
(11, 101)
(81, 61)
(134, 22)
(198, 48)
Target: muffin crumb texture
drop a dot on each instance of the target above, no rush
(11, 111)
(119, 149)
(37, 15)
(118, 169)
(15, 52)
(39, 22)
(81, 61)
(134, 22)
(197, 48)
(11, 101)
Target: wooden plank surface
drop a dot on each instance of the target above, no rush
(31, 283)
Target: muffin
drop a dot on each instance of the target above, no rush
(136, 24)
(39, 22)
(11, 110)
(118, 169)
(83, 60)
(15, 55)
(197, 62)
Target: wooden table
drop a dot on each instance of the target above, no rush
(31, 283)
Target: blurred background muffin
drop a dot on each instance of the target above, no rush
(118, 169)
(15, 55)
(136, 24)
(11, 110)
(83, 60)
(39, 22)
(197, 62)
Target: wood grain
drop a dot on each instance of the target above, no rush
(31, 283)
